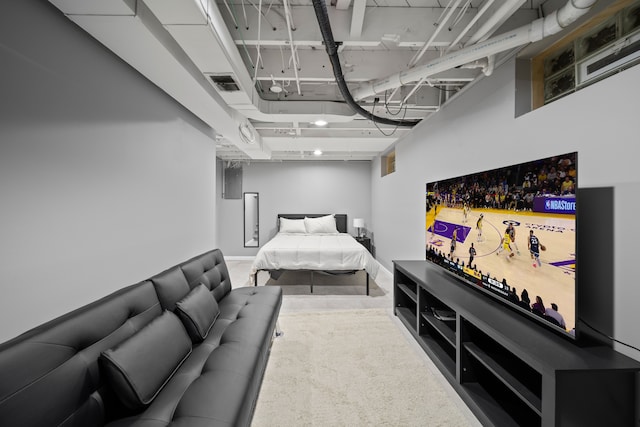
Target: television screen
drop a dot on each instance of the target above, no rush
(511, 231)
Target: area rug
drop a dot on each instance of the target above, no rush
(298, 283)
(350, 368)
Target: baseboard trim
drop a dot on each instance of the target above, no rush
(239, 258)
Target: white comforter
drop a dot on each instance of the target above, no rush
(297, 251)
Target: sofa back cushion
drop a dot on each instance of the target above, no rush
(50, 375)
(171, 286)
(176, 282)
(141, 365)
(210, 270)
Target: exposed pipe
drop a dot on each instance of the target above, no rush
(263, 14)
(491, 63)
(445, 10)
(487, 64)
(393, 93)
(287, 14)
(466, 29)
(244, 12)
(463, 10)
(412, 91)
(507, 9)
(235, 20)
(417, 57)
(282, 57)
(258, 54)
(320, 8)
(533, 32)
(233, 16)
(287, 9)
(440, 26)
(276, 11)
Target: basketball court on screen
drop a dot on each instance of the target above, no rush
(554, 281)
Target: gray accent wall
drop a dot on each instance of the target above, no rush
(304, 187)
(479, 132)
(104, 179)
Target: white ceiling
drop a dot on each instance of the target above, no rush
(179, 45)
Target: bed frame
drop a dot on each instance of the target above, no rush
(341, 225)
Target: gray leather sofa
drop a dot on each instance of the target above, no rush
(181, 348)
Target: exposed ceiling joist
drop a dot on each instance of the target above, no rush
(197, 50)
(357, 18)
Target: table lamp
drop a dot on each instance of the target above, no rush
(358, 223)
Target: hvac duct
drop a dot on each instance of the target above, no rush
(533, 32)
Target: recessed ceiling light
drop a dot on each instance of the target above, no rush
(320, 122)
(317, 153)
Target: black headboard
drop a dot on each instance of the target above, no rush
(341, 219)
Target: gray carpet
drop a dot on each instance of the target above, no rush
(298, 283)
(351, 368)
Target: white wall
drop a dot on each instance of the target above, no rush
(303, 187)
(478, 132)
(104, 179)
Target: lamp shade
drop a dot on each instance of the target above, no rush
(358, 222)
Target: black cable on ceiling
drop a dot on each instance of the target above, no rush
(386, 107)
(320, 8)
(395, 128)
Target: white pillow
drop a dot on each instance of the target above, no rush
(323, 224)
(292, 225)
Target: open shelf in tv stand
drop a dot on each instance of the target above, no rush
(508, 369)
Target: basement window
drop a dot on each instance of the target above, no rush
(607, 44)
(388, 162)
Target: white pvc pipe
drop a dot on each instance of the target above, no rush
(466, 29)
(293, 52)
(412, 91)
(505, 10)
(440, 26)
(258, 55)
(491, 63)
(535, 31)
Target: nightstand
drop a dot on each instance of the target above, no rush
(364, 241)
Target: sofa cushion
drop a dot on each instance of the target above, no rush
(198, 310)
(210, 270)
(140, 366)
(171, 286)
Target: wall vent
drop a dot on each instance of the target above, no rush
(224, 82)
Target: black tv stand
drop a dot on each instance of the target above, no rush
(508, 369)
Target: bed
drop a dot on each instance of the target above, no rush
(314, 243)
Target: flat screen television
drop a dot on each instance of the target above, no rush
(511, 232)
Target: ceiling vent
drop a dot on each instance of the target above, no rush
(224, 82)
